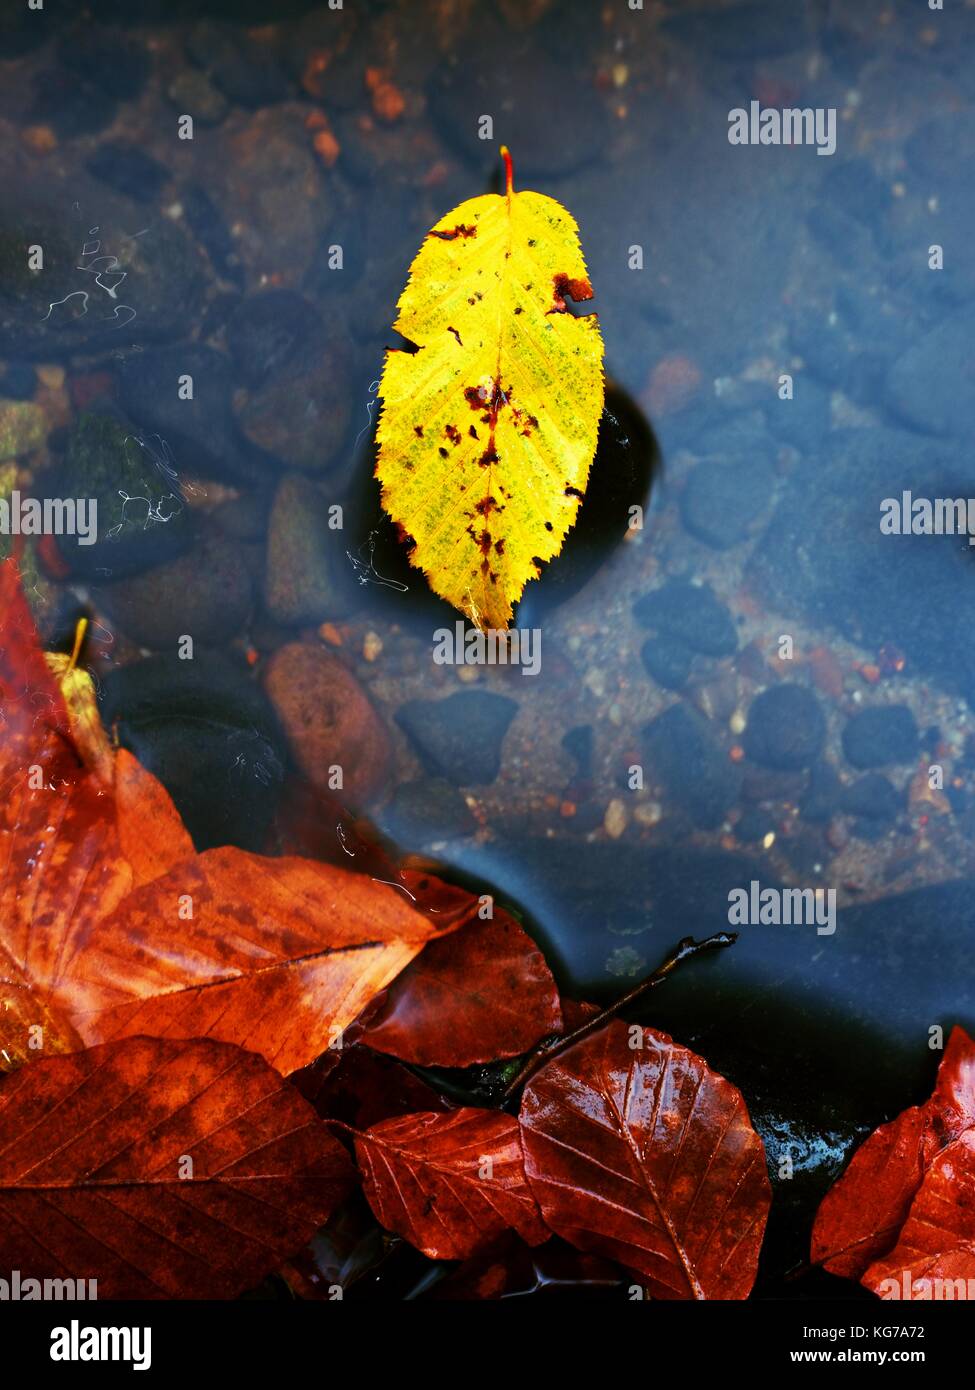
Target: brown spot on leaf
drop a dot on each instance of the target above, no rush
(418, 431)
(453, 434)
(456, 335)
(572, 492)
(454, 232)
(562, 286)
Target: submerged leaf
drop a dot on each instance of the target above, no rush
(489, 426)
(482, 993)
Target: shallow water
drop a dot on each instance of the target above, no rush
(211, 256)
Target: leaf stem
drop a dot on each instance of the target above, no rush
(509, 173)
(551, 1047)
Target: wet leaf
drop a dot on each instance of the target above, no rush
(450, 1183)
(489, 426)
(860, 1218)
(648, 1157)
(161, 1168)
(480, 994)
(117, 927)
(937, 1241)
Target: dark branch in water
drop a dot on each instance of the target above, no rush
(551, 1047)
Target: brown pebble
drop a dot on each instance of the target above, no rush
(329, 720)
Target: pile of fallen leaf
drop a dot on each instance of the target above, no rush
(206, 1053)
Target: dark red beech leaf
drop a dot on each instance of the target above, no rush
(449, 1183)
(937, 1241)
(483, 993)
(362, 1087)
(95, 1175)
(646, 1156)
(860, 1217)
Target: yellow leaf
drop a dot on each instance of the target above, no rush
(488, 429)
(78, 693)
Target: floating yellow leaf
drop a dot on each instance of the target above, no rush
(488, 428)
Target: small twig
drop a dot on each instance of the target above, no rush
(551, 1047)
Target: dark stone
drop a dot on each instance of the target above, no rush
(206, 731)
(765, 785)
(129, 170)
(142, 517)
(786, 727)
(459, 738)
(200, 431)
(301, 417)
(874, 797)
(208, 226)
(64, 311)
(307, 576)
(836, 350)
(692, 613)
(687, 761)
(824, 558)
(929, 386)
(822, 798)
(266, 332)
(753, 825)
(883, 734)
(204, 594)
(22, 30)
(69, 104)
(245, 71)
(108, 60)
(724, 503)
(429, 809)
(764, 29)
(18, 382)
(668, 661)
(577, 742)
(806, 418)
(855, 187)
(531, 96)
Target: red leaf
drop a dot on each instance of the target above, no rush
(110, 924)
(449, 1183)
(860, 1217)
(937, 1241)
(648, 1157)
(361, 1087)
(483, 993)
(94, 1182)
